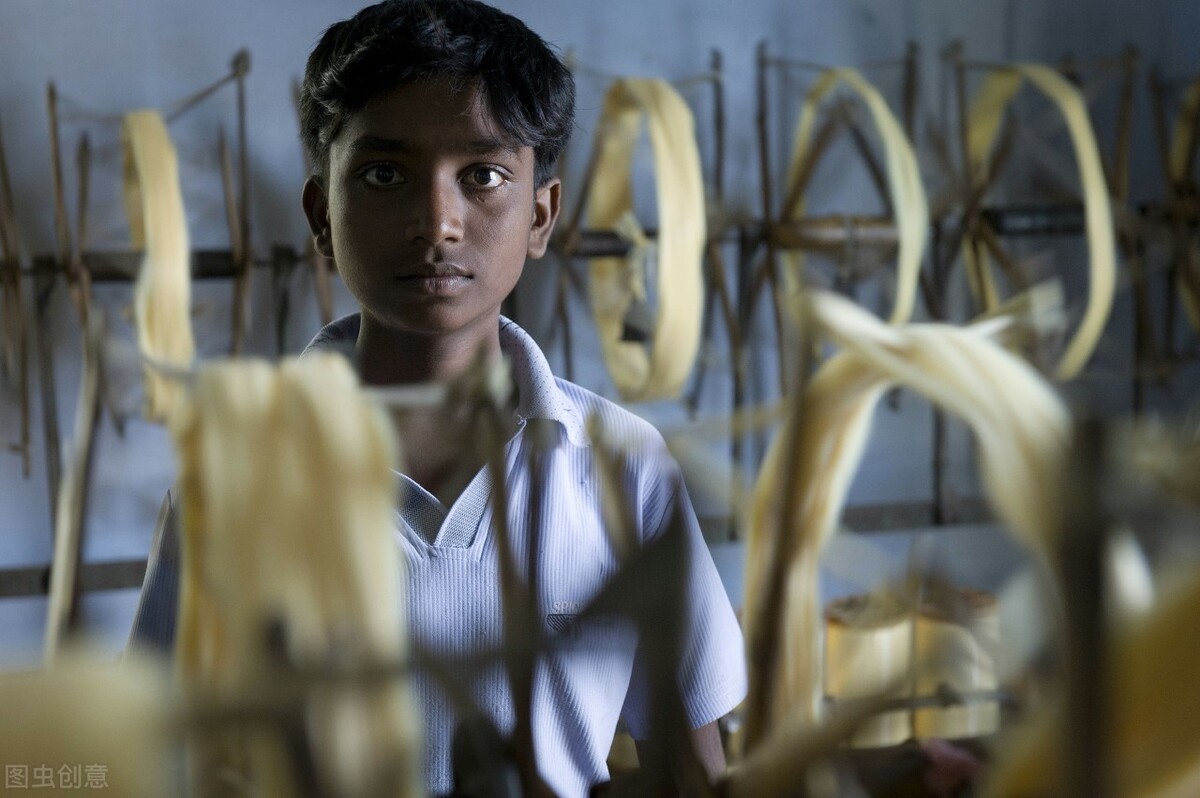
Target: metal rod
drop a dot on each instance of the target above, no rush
(831, 233)
(237, 254)
(122, 266)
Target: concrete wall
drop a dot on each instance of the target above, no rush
(107, 56)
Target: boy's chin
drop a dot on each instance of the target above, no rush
(436, 321)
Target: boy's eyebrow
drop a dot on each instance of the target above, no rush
(484, 146)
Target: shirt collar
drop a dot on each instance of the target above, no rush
(539, 393)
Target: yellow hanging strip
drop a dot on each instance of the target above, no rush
(1020, 424)
(1182, 144)
(1153, 711)
(616, 283)
(88, 723)
(287, 488)
(162, 294)
(999, 89)
(903, 178)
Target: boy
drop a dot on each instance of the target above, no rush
(435, 126)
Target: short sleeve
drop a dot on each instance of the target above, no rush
(712, 671)
(154, 621)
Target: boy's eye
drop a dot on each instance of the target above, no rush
(381, 175)
(485, 177)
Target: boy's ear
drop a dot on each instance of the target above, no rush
(546, 203)
(316, 210)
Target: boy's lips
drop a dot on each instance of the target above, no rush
(435, 279)
(434, 271)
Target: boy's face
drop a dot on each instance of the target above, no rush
(429, 210)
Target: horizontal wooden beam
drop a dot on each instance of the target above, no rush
(35, 580)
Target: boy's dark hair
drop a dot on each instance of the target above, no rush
(524, 84)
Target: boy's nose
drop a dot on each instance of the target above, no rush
(437, 215)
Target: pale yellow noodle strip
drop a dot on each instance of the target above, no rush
(288, 495)
(1019, 422)
(999, 90)
(615, 282)
(903, 179)
(88, 724)
(1154, 714)
(162, 294)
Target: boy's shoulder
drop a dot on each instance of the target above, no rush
(621, 427)
(340, 336)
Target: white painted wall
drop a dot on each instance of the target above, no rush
(108, 56)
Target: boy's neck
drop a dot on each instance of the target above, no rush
(387, 356)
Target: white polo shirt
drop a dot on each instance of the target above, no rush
(593, 675)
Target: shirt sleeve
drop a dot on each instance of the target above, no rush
(712, 670)
(154, 621)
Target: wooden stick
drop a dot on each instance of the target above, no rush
(241, 67)
(1158, 104)
(1013, 270)
(282, 268)
(515, 602)
(912, 67)
(804, 174)
(718, 85)
(80, 279)
(570, 236)
(62, 228)
(62, 617)
(16, 329)
(1082, 564)
(1119, 179)
(771, 264)
(874, 168)
(706, 333)
(43, 285)
(233, 220)
(1174, 194)
(718, 294)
